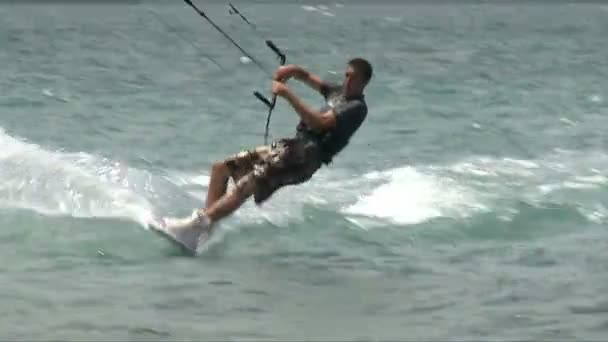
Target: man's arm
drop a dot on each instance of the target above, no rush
(299, 73)
(319, 121)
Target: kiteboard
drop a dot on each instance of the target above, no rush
(186, 243)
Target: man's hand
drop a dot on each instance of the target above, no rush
(285, 72)
(279, 88)
(314, 119)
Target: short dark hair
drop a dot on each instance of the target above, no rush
(363, 67)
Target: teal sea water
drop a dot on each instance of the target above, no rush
(471, 205)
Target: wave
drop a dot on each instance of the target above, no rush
(84, 185)
(480, 185)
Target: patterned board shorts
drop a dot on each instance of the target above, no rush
(284, 162)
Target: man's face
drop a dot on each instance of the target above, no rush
(350, 78)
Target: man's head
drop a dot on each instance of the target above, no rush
(357, 76)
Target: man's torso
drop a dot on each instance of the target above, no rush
(350, 114)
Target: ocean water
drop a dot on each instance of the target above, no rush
(471, 205)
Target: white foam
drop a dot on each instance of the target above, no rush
(73, 184)
(188, 179)
(195, 185)
(596, 214)
(409, 196)
(575, 182)
(49, 93)
(595, 98)
(321, 9)
(309, 8)
(567, 121)
(593, 179)
(483, 166)
(561, 177)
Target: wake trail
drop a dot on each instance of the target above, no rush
(79, 184)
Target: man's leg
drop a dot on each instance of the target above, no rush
(285, 167)
(217, 183)
(280, 170)
(232, 200)
(190, 230)
(235, 167)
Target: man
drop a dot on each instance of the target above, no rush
(320, 135)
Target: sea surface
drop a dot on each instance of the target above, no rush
(471, 205)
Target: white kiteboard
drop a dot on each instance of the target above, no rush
(186, 242)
